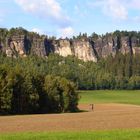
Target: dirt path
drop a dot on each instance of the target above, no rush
(104, 116)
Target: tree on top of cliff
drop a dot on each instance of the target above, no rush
(17, 31)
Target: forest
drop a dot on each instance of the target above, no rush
(26, 88)
(120, 72)
(40, 85)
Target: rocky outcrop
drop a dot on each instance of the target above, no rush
(83, 50)
(38, 47)
(126, 46)
(106, 46)
(16, 46)
(112, 45)
(80, 48)
(135, 43)
(63, 47)
(87, 49)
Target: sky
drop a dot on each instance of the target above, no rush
(66, 18)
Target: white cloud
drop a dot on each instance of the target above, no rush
(66, 32)
(48, 9)
(118, 9)
(113, 8)
(37, 30)
(135, 4)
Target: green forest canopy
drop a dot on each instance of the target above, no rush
(40, 85)
(120, 72)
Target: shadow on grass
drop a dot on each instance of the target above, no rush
(77, 111)
(82, 111)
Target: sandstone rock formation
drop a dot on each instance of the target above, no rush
(16, 46)
(84, 48)
(126, 46)
(63, 47)
(106, 46)
(38, 47)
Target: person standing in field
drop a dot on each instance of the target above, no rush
(92, 107)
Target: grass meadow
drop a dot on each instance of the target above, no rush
(99, 135)
(110, 96)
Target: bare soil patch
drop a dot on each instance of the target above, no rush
(103, 117)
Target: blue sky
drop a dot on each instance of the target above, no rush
(63, 18)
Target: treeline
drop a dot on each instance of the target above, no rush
(35, 85)
(119, 72)
(5, 33)
(26, 90)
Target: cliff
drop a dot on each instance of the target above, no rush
(84, 48)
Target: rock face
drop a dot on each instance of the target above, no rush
(135, 45)
(87, 49)
(63, 47)
(106, 46)
(16, 46)
(83, 50)
(126, 46)
(38, 47)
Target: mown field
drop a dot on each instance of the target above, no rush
(100, 135)
(110, 96)
(107, 117)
